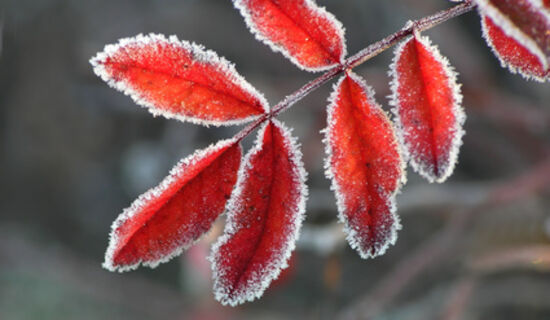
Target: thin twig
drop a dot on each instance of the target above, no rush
(418, 25)
(359, 58)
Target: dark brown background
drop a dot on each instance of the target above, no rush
(74, 153)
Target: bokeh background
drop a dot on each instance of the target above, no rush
(74, 153)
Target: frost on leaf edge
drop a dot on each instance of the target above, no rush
(351, 234)
(231, 226)
(311, 4)
(199, 53)
(152, 193)
(503, 63)
(508, 27)
(458, 110)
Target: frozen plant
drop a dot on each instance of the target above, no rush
(264, 193)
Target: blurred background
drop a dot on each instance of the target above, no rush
(74, 153)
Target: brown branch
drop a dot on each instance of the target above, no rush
(419, 25)
(359, 58)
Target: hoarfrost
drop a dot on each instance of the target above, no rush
(380, 237)
(144, 48)
(447, 160)
(321, 16)
(141, 202)
(261, 270)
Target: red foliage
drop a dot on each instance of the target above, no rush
(311, 37)
(518, 33)
(180, 80)
(264, 218)
(365, 165)
(428, 111)
(172, 216)
(512, 53)
(527, 18)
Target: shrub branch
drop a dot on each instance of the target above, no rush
(359, 58)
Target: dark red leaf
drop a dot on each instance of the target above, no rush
(264, 217)
(172, 216)
(305, 33)
(511, 53)
(526, 22)
(428, 112)
(365, 166)
(178, 79)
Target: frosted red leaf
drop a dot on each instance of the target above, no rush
(511, 53)
(519, 28)
(178, 79)
(365, 166)
(427, 102)
(264, 217)
(172, 216)
(305, 33)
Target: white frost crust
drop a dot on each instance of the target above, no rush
(351, 232)
(458, 111)
(261, 281)
(485, 8)
(311, 4)
(503, 62)
(151, 194)
(200, 54)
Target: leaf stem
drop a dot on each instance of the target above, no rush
(359, 58)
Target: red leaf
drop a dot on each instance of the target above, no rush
(178, 79)
(172, 216)
(305, 33)
(428, 112)
(365, 166)
(526, 22)
(264, 216)
(511, 53)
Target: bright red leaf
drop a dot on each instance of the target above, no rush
(518, 31)
(511, 53)
(264, 216)
(172, 216)
(365, 166)
(178, 79)
(428, 112)
(305, 33)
